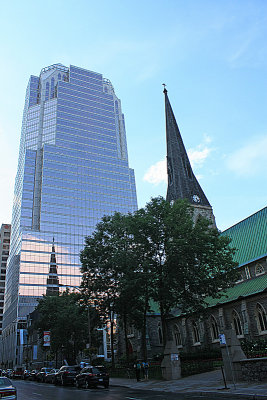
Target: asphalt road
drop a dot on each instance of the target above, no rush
(28, 390)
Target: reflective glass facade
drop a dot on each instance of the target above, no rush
(73, 168)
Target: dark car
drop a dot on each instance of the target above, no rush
(32, 375)
(26, 374)
(40, 376)
(7, 390)
(50, 376)
(17, 373)
(67, 374)
(92, 376)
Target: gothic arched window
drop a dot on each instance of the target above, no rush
(196, 336)
(214, 329)
(177, 336)
(261, 318)
(236, 322)
(259, 270)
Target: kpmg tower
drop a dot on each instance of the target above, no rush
(73, 168)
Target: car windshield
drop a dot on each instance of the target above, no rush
(101, 368)
(5, 382)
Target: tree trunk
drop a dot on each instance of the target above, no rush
(112, 340)
(125, 337)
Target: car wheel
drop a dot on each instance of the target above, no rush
(62, 381)
(87, 385)
(77, 384)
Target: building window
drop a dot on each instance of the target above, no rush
(177, 336)
(47, 91)
(259, 270)
(160, 334)
(240, 278)
(196, 336)
(261, 319)
(247, 272)
(214, 329)
(236, 322)
(59, 77)
(52, 93)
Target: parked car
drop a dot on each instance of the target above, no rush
(8, 373)
(67, 374)
(26, 374)
(40, 376)
(7, 390)
(17, 373)
(92, 376)
(50, 376)
(32, 375)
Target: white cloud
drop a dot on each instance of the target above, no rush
(250, 159)
(157, 173)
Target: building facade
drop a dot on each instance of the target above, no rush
(4, 253)
(73, 168)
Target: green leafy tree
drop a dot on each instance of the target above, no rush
(159, 253)
(108, 271)
(66, 319)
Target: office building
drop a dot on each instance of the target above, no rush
(4, 252)
(73, 168)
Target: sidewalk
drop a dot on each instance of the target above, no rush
(209, 385)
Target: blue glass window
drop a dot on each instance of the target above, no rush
(52, 93)
(47, 91)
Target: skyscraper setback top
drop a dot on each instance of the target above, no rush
(182, 183)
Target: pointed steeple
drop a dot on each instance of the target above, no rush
(52, 281)
(182, 183)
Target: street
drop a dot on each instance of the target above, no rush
(28, 390)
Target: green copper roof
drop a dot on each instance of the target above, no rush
(244, 289)
(249, 237)
(241, 290)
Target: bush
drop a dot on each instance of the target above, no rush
(254, 348)
(203, 354)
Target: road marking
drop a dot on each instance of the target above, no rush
(132, 398)
(38, 394)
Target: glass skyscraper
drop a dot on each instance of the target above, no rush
(73, 168)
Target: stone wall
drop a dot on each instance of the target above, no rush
(251, 370)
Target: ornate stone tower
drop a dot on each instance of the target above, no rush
(182, 183)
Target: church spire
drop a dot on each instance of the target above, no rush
(182, 183)
(52, 281)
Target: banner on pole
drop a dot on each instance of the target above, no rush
(46, 338)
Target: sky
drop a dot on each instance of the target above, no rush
(212, 55)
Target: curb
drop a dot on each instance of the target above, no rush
(205, 394)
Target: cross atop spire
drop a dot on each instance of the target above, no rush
(182, 183)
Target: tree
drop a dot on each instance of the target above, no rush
(188, 261)
(158, 253)
(108, 264)
(67, 322)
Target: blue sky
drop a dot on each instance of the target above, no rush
(211, 54)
